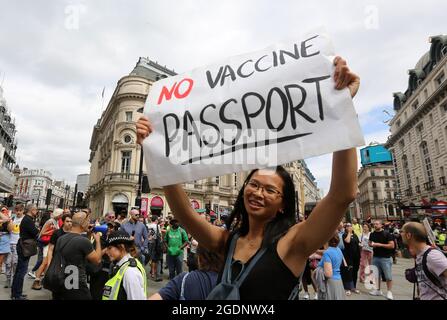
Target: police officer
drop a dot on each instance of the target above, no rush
(128, 278)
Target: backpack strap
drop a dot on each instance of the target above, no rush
(245, 271)
(226, 277)
(182, 289)
(427, 272)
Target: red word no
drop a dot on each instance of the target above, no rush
(175, 89)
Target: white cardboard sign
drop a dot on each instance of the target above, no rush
(254, 110)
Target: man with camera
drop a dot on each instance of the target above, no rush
(431, 264)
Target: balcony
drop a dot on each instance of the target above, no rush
(408, 192)
(442, 181)
(123, 177)
(418, 189)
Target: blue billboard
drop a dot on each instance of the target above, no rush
(375, 154)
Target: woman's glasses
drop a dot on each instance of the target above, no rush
(268, 191)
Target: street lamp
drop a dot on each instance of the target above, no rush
(67, 190)
(398, 197)
(375, 209)
(140, 175)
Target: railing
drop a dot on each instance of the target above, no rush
(121, 177)
(429, 185)
(418, 189)
(408, 192)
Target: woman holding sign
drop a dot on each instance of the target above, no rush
(265, 251)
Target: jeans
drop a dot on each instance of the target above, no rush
(175, 265)
(385, 266)
(19, 276)
(39, 256)
(11, 264)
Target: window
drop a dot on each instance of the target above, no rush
(406, 171)
(409, 137)
(415, 104)
(402, 143)
(388, 195)
(375, 196)
(235, 180)
(405, 116)
(437, 146)
(387, 184)
(425, 94)
(128, 115)
(420, 128)
(444, 109)
(426, 161)
(385, 172)
(127, 139)
(439, 80)
(414, 160)
(217, 180)
(441, 171)
(392, 171)
(430, 116)
(398, 123)
(373, 173)
(374, 185)
(125, 161)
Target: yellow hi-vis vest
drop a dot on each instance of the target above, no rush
(442, 237)
(112, 287)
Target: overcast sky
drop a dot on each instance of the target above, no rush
(56, 57)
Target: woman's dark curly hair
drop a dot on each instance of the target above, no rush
(238, 220)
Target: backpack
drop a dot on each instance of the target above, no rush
(54, 279)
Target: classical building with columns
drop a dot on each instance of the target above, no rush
(115, 158)
(418, 138)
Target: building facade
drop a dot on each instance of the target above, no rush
(115, 158)
(377, 192)
(82, 180)
(8, 147)
(418, 129)
(33, 186)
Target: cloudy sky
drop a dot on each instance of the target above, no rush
(56, 57)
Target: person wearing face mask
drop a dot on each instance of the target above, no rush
(139, 233)
(176, 240)
(262, 241)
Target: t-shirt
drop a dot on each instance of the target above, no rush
(335, 257)
(381, 237)
(198, 285)
(357, 230)
(152, 231)
(175, 240)
(56, 235)
(75, 251)
(15, 233)
(437, 265)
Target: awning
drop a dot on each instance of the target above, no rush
(157, 202)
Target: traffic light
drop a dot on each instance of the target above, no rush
(48, 198)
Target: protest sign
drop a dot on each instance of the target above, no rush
(254, 110)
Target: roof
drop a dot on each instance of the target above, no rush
(423, 61)
(150, 70)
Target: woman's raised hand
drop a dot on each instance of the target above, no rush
(343, 77)
(144, 128)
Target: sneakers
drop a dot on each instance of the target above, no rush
(32, 274)
(376, 293)
(306, 296)
(36, 285)
(348, 292)
(389, 295)
(316, 296)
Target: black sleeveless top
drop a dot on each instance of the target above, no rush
(270, 278)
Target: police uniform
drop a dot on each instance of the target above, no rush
(128, 278)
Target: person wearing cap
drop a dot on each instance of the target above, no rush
(128, 278)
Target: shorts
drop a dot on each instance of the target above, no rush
(45, 250)
(385, 267)
(5, 246)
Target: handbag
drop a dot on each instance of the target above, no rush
(29, 247)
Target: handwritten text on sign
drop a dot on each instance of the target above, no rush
(254, 110)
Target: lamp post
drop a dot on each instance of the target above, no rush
(140, 174)
(398, 197)
(67, 191)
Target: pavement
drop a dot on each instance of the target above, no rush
(402, 289)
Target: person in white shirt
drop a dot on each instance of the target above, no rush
(366, 252)
(128, 278)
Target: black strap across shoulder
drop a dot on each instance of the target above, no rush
(427, 272)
